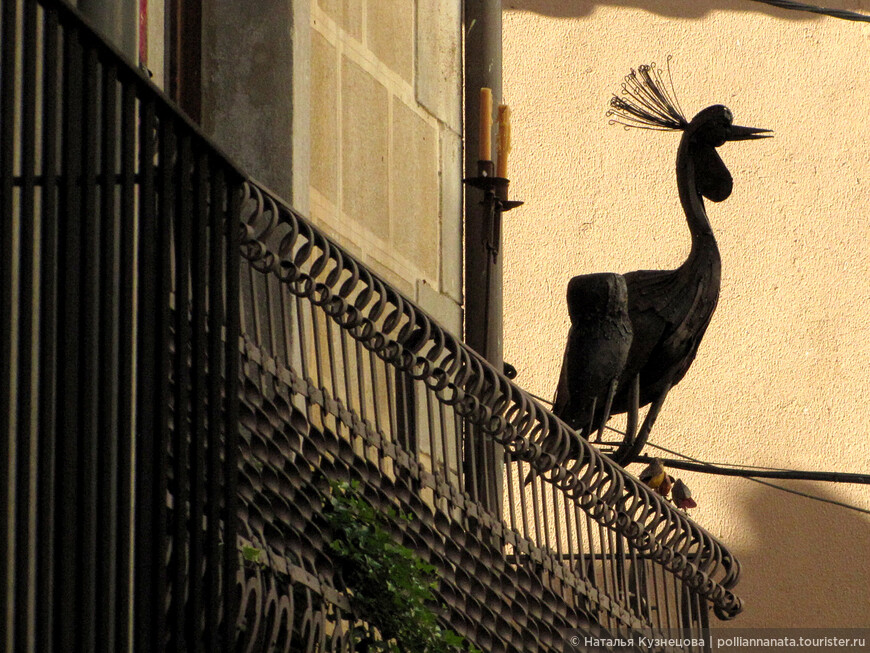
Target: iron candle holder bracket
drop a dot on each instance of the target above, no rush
(495, 202)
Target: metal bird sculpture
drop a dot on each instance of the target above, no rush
(671, 309)
(668, 310)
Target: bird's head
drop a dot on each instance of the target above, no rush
(647, 102)
(711, 128)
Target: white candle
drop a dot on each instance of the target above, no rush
(504, 139)
(485, 152)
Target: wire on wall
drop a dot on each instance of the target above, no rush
(800, 6)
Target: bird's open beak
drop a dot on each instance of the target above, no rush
(748, 133)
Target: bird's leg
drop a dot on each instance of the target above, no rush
(648, 422)
(633, 408)
(606, 414)
(589, 427)
(628, 442)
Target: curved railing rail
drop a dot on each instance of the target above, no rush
(279, 242)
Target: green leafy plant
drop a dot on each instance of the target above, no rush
(389, 586)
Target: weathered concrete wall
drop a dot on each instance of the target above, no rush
(781, 377)
(385, 141)
(247, 86)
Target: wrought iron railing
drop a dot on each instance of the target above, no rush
(170, 404)
(344, 378)
(118, 323)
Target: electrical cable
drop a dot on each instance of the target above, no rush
(751, 473)
(773, 485)
(833, 13)
(746, 472)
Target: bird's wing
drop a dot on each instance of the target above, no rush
(672, 327)
(652, 291)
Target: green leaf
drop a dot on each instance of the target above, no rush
(251, 554)
(389, 585)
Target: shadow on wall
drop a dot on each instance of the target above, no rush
(807, 565)
(676, 8)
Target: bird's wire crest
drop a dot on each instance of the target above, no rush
(647, 102)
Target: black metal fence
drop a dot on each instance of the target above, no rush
(177, 391)
(118, 357)
(345, 379)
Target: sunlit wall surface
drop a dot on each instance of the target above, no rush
(781, 376)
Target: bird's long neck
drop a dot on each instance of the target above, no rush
(703, 242)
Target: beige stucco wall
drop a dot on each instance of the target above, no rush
(781, 378)
(385, 141)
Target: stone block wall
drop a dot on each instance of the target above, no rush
(386, 165)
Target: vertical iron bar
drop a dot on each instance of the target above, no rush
(331, 361)
(271, 318)
(89, 357)
(622, 576)
(127, 397)
(45, 580)
(69, 252)
(486, 472)
(393, 405)
(590, 541)
(705, 623)
(24, 559)
(546, 489)
(181, 398)
(7, 222)
(199, 262)
(445, 435)
(287, 315)
(109, 388)
(147, 601)
(685, 600)
(278, 317)
(654, 581)
(667, 598)
(513, 469)
(471, 466)
(215, 322)
(320, 381)
(537, 481)
(255, 306)
(571, 533)
(345, 368)
(430, 415)
(636, 579)
(231, 395)
(166, 190)
(303, 347)
(607, 570)
(376, 400)
(557, 520)
(572, 513)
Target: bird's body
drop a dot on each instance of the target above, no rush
(656, 477)
(682, 496)
(668, 311)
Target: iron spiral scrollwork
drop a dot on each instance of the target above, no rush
(585, 543)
